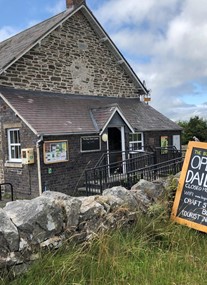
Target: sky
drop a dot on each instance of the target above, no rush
(165, 42)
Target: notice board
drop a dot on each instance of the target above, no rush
(55, 151)
(190, 204)
(90, 143)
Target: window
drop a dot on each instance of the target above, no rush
(14, 145)
(136, 142)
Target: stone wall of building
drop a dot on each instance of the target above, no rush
(64, 176)
(22, 177)
(68, 176)
(1, 157)
(72, 59)
(153, 138)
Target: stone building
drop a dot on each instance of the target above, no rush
(67, 95)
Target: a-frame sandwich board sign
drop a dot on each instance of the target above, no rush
(190, 204)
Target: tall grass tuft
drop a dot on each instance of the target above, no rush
(153, 251)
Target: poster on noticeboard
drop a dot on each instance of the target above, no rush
(55, 151)
(164, 144)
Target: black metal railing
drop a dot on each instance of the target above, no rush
(154, 172)
(160, 154)
(109, 156)
(129, 171)
(11, 194)
(166, 153)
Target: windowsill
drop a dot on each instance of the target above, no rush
(135, 151)
(13, 164)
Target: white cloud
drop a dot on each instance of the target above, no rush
(119, 12)
(172, 37)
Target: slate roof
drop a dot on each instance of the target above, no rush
(17, 45)
(56, 114)
(101, 115)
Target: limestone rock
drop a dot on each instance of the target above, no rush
(123, 194)
(91, 207)
(153, 190)
(70, 206)
(37, 219)
(143, 201)
(9, 236)
(92, 215)
(109, 202)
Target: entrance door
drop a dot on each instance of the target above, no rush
(116, 148)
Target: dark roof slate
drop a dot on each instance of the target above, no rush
(15, 46)
(55, 114)
(101, 115)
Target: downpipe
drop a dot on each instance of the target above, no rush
(38, 163)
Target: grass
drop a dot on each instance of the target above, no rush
(153, 251)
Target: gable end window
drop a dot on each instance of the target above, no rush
(136, 142)
(14, 145)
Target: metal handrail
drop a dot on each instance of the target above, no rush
(147, 150)
(106, 154)
(142, 155)
(145, 165)
(100, 159)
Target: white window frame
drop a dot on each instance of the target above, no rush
(132, 143)
(15, 144)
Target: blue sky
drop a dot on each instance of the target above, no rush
(163, 41)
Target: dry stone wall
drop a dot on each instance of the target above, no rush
(72, 59)
(46, 221)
